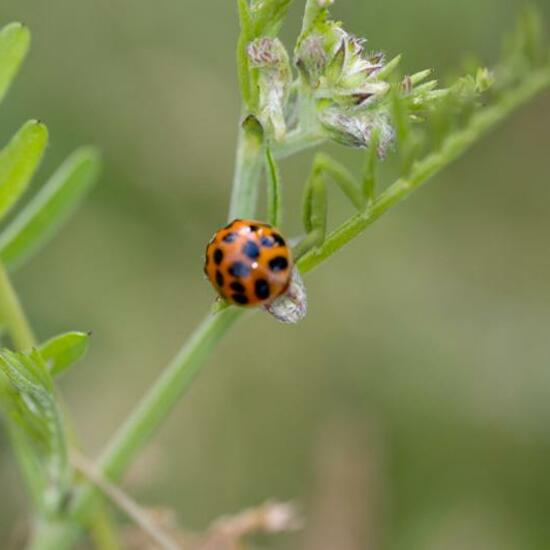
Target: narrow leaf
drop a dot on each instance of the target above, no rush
(18, 162)
(273, 190)
(50, 208)
(243, 69)
(420, 76)
(370, 170)
(269, 16)
(26, 396)
(60, 352)
(15, 40)
(388, 68)
(400, 116)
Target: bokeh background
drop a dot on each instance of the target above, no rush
(411, 409)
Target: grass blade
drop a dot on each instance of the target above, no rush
(15, 40)
(18, 162)
(50, 208)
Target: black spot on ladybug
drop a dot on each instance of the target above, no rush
(219, 278)
(239, 269)
(237, 287)
(279, 239)
(229, 238)
(261, 288)
(240, 298)
(218, 256)
(253, 228)
(268, 242)
(279, 263)
(250, 249)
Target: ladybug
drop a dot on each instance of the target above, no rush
(248, 263)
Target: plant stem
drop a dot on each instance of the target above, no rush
(297, 141)
(454, 146)
(160, 400)
(248, 169)
(46, 530)
(311, 12)
(12, 314)
(180, 373)
(52, 535)
(14, 318)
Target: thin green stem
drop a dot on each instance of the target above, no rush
(298, 141)
(248, 169)
(454, 146)
(247, 87)
(160, 400)
(46, 529)
(14, 318)
(311, 12)
(12, 314)
(274, 202)
(53, 535)
(177, 378)
(169, 388)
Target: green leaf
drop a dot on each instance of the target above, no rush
(242, 56)
(15, 40)
(50, 208)
(60, 352)
(400, 115)
(274, 210)
(18, 162)
(268, 16)
(27, 398)
(388, 68)
(370, 169)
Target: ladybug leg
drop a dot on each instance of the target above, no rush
(314, 212)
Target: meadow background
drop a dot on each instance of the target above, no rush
(411, 409)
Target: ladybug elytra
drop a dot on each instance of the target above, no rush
(248, 263)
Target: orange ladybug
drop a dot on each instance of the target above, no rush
(248, 263)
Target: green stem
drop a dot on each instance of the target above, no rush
(454, 146)
(248, 169)
(312, 11)
(52, 535)
(160, 400)
(180, 373)
(166, 392)
(297, 141)
(12, 314)
(46, 530)
(13, 317)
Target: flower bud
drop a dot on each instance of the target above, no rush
(355, 129)
(269, 56)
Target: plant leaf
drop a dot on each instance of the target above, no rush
(26, 395)
(245, 37)
(60, 352)
(15, 40)
(274, 208)
(268, 16)
(50, 208)
(18, 162)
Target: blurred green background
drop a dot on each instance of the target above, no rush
(411, 409)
